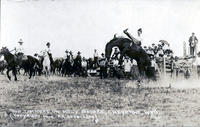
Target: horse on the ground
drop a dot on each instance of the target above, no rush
(134, 52)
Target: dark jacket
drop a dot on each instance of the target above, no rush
(190, 40)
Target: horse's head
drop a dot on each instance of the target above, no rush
(4, 50)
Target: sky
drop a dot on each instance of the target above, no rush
(85, 25)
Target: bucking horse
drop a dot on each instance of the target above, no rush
(133, 51)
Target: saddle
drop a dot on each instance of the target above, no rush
(20, 57)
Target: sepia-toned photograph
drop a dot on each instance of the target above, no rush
(99, 63)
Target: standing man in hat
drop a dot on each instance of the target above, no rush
(103, 68)
(137, 40)
(193, 44)
(127, 67)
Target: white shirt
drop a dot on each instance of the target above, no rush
(160, 52)
(115, 62)
(197, 61)
(127, 65)
(84, 63)
(20, 48)
(1, 57)
(46, 57)
(165, 47)
(96, 54)
(134, 62)
(102, 62)
(153, 63)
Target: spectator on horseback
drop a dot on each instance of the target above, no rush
(67, 54)
(116, 54)
(46, 63)
(48, 50)
(137, 40)
(78, 57)
(19, 51)
(77, 64)
(103, 68)
(71, 57)
(20, 48)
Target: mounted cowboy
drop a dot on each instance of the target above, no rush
(77, 64)
(20, 52)
(137, 40)
(46, 63)
(20, 48)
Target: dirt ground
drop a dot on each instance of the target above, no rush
(75, 101)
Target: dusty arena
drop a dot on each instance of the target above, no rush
(74, 101)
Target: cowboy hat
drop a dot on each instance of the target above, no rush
(47, 44)
(140, 30)
(20, 41)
